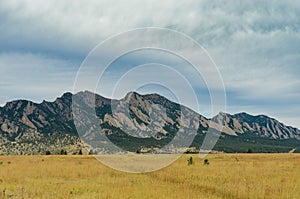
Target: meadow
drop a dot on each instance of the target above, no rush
(226, 176)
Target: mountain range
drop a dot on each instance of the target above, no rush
(136, 123)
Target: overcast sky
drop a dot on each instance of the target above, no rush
(255, 44)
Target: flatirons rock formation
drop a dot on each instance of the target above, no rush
(261, 125)
(135, 123)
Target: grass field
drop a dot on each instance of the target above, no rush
(227, 176)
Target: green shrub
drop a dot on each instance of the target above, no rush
(190, 160)
(206, 162)
(80, 152)
(63, 152)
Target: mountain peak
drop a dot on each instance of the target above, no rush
(131, 95)
(259, 124)
(24, 119)
(66, 95)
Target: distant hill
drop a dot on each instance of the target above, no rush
(137, 123)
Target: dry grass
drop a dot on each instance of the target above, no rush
(227, 176)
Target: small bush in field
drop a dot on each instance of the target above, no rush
(80, 152)
(190, 160)
(206, 162)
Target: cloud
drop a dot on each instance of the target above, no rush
(34, 77)
(254, 43)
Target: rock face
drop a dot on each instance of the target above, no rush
(137, 121)
(151, 119)
(261, 125)
(19, 116)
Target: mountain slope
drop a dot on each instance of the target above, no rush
(133, 123)
(261, 125)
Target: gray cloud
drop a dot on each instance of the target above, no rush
(254, 43)
(34, 77)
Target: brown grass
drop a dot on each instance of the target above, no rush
(227, 176)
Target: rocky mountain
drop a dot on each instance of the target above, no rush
(261, 125)
(137, 123)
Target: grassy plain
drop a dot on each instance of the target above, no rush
(227, 176)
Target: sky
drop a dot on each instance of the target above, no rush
(255, 45)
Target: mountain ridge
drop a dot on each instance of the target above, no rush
(70, 93)
(21, 118)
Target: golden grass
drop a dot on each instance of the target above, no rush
(227, 176)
